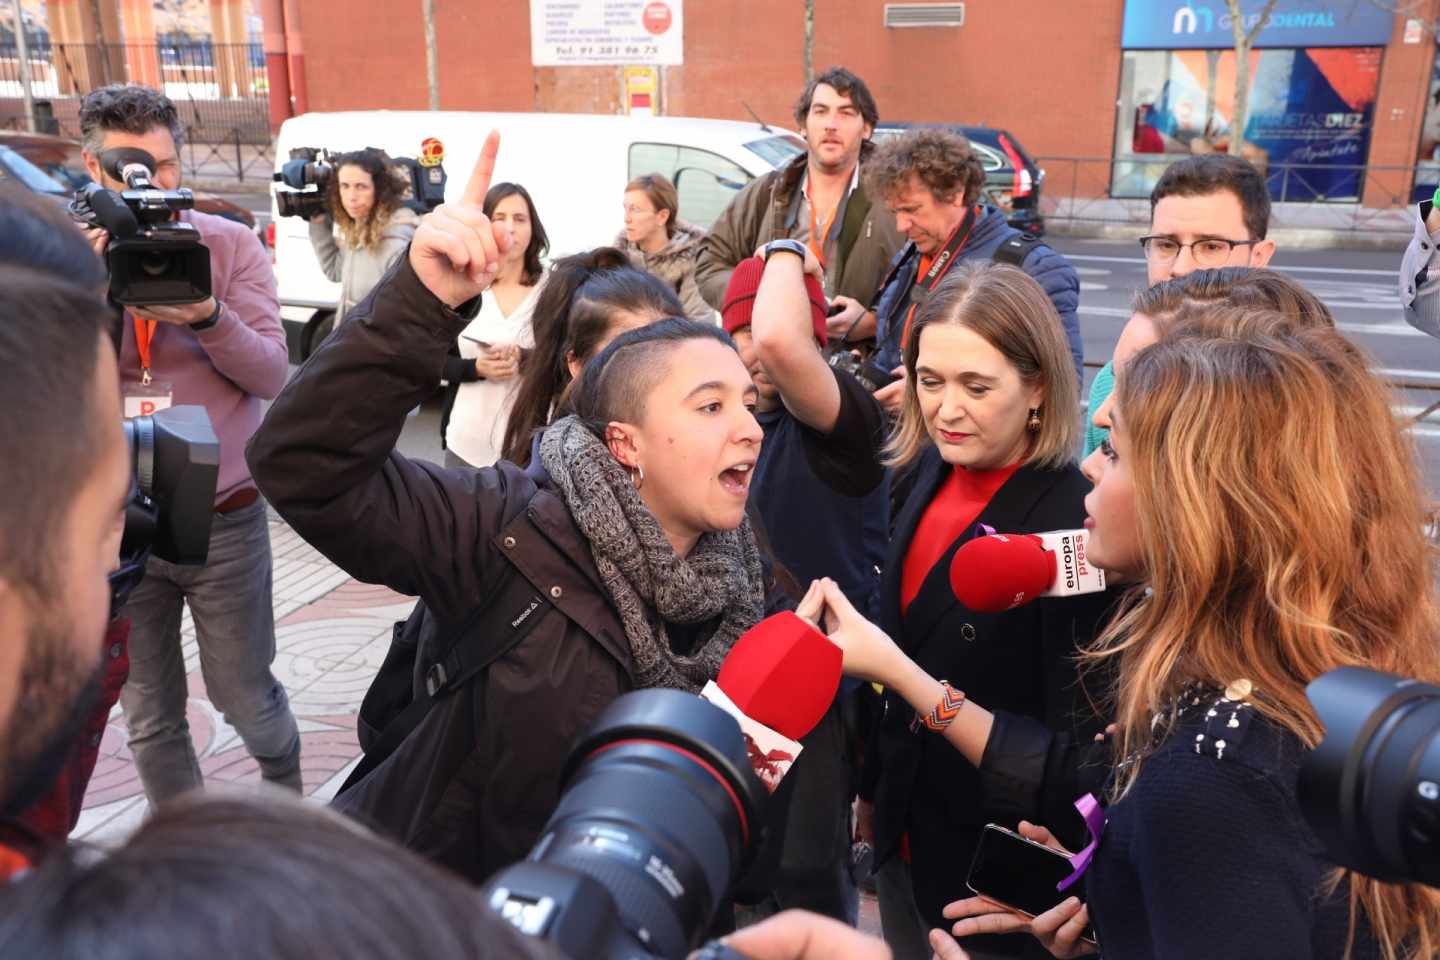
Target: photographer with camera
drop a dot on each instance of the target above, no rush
(364, 205)
(67, 481)
(226, 353)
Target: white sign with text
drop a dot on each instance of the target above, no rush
(587, 33)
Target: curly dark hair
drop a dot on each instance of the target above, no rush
(940, 159)
(127, 107)
(846, 84)
(390, 187)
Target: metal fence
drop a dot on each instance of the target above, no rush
(221, 90)
(1306, 195)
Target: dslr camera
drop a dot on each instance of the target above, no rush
(660, 816)
(174, 466)
(152, 257)
(868, 372)
(1371, 789)
(308, 171)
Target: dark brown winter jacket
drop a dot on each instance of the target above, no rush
(474, 784)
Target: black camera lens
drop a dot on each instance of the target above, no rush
(1371, 789)
(662, 811)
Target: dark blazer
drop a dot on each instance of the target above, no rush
(1019, 662)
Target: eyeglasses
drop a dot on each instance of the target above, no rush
(1209, 252)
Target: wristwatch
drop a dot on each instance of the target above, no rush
(209, 321)
(786, 245)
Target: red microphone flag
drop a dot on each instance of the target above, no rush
(783, 673)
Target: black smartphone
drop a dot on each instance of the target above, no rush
(1018, 873)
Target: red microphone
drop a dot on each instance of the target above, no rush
(777, 682)
(1004, 571)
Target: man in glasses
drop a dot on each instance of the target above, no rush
(1207, 211)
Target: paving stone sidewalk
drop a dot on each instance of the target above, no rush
(331, 634)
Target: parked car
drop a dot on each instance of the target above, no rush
(14, 168)
(60, 158)
(709, 161)
(1012, 179)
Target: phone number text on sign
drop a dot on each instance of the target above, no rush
(580, 33)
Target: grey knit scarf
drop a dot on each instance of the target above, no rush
(648, 582)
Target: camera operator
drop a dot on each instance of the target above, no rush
(36, 236)
(67, 481)
(225, 353)
(364, 200)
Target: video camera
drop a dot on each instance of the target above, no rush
(661, 814)
(308, 171)
(1371, 789)
(152, 257)
(175, 465)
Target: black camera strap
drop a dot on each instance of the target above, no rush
(921, 289)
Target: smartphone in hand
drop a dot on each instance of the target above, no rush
(1019, 873)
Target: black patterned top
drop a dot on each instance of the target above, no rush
(1207, 855)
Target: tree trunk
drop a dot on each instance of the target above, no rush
(432, 62)
(1244, 40)
(809, 41)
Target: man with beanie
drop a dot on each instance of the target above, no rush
(820, 199)
(819, 490)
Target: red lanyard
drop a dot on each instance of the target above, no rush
(144, 336)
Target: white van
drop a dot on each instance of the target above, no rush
(575, 167)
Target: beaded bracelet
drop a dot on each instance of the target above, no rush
(944, 713)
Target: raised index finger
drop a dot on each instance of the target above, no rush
(484, 171)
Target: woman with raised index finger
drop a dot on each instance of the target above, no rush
(630, 528)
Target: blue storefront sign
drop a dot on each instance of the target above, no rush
(1206, 24)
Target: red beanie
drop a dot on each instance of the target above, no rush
(740, 298)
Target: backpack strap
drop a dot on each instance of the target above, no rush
(487, 633)
(1015, 250)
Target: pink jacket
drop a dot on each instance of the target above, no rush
(235, 364)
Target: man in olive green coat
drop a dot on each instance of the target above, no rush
(818, 199)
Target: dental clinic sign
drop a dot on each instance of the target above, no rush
(1206, 24)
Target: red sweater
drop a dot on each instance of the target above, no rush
(957, 505)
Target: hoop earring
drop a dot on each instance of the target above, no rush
(638, 477)
(1033, 424)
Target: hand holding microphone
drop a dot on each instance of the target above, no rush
(1003, 571)
(869, 653)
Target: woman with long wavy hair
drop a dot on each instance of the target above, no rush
(1257, 483)
(365, 226)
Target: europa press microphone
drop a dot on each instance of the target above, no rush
(1002, 571)
(777, 682)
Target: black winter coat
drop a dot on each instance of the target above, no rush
(483, 773)
(1020, 665)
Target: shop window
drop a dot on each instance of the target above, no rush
(1308, 128)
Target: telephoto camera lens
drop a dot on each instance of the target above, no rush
(1371, 789)
(659, 818)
